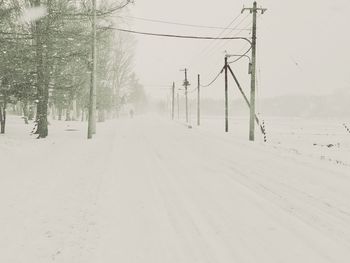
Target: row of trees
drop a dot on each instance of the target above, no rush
(45, 59)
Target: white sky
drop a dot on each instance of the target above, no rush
(302, 45)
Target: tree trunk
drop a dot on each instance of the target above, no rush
(2, 120)
(53, 111)
(74, 110)
(17, 109)
(101, 115)
(42, 28)
(25, 111)
(41, 115)
(82, 114)
(68, 115)
(3, 115)
(60, 110)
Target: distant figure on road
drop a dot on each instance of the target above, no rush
(131, 112)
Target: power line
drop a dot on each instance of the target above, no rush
(177, 23)
(247, 26)
(212, 45)
(226, 42)
(241, 56)
(210, 52)
(179, 36)
(223, 44)
(217, 45)
(216, 77)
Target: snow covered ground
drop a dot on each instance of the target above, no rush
(151, 190)
(326, 140)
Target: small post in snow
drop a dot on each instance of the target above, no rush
(173, 101)
(178, 105)
(198, 101)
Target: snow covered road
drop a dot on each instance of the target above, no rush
(150, 190)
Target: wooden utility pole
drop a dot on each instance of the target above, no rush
(226, 96)
(178, 105)
(92, 99)
(186, 84)
(253, 11)
(173, 101)
(199, 101)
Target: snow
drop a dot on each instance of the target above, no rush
(151, 190)
(31, 14)
(322, 139)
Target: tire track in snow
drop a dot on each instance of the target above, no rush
(299, 203)
(184, 156)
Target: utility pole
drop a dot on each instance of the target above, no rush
(186, 84)
(178, 105)
(226, 96)
(253, 11)
(199, 101)
(92, 99)
(173, 101)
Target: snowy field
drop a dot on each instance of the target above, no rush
(327, 140)
(151, 190)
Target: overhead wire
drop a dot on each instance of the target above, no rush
(218, 45)
(247, 26)
(212, 82)
(218, 37)
(235, 37)
(208, 47)
(174, 23)
(211, 46)
(224, 43)
(241, 56)
(178, 36)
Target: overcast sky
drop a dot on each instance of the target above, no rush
(303, 46)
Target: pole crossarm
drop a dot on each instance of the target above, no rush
(251, 10)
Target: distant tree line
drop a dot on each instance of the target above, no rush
(45, 63)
